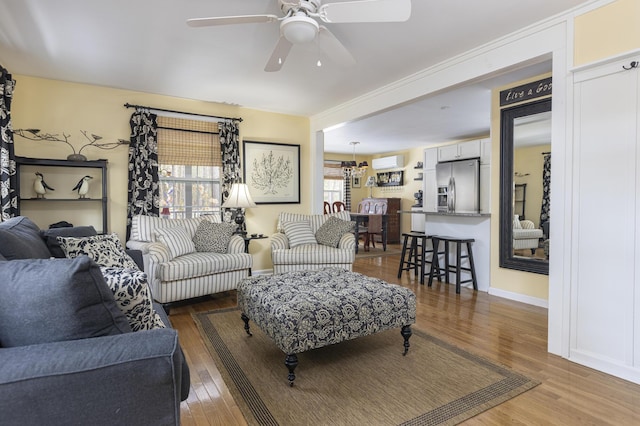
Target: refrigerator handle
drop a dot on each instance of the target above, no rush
(452, 195)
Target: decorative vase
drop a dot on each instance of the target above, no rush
(76, 157)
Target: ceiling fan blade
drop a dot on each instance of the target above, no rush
(333, 48)
(279, 55)
(366, 11)
(227, 20)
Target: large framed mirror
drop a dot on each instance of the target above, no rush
(525, 149)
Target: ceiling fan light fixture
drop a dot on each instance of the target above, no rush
(299, 29)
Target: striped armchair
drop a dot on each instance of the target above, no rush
(175, 273)
(525, 235)
(297, 249)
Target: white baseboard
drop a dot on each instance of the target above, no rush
(519, 297)
(609, 366)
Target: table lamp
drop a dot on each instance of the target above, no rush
(370, 183)
(239, 198)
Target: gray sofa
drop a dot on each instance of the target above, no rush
(67, 353)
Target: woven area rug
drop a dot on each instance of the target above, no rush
(377, 252)
(362, 381)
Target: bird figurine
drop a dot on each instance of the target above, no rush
(40, 186)
(82, 186)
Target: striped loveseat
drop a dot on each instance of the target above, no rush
(525, 235)
(310, 255)
(193, 274)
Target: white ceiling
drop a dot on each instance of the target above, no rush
(145, 45)
(457, 114)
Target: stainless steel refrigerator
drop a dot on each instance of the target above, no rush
(458, 186)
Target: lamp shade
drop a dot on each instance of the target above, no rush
(239, 197)
(371, 181)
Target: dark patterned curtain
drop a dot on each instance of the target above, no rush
(144, 192)
(8, 195)
(229, 137)
(347, 191)
(546, 191)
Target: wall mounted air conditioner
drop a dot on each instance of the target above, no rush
(393, 162)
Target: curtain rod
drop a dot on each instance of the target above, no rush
(545, 153)
(128, 105)
(204, 132)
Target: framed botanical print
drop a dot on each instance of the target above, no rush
(272, 172)
(355, 182)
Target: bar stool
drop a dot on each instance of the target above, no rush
(457, 267)
(418, 255)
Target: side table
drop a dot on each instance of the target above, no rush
(248, 238)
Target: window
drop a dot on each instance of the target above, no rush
(333, 181)
(189, 167)
(189, 191)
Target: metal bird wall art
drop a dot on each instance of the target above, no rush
(35, 135)
(40, 186)
(83, 186)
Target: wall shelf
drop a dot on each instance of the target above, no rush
(62, 175)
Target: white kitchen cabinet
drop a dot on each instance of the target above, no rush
(430, 158)
(604, 306)
(485, 188)
(485, 151)
(459, 151)
(485, 175)
(429, 180)
(429, 201)
(471, 149)
(417, 220)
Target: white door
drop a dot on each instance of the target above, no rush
(605, 329)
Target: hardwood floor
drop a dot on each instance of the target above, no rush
(511, 333)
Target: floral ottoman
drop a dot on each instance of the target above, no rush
(304, 310)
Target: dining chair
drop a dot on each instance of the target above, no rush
(363, 231)
(338, 206)
(375, 222)
(363, 207)
(327, 207)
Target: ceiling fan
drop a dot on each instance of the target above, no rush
(300, 24)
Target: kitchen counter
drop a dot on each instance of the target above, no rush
(464, 225)
(445, 213)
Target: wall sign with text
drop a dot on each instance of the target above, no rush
(526, 92)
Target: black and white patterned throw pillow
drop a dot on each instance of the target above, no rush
(133, 297)
(213, 237)
(332, 230)
(106, 250)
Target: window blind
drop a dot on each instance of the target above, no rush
(188, 142)
(333, 170)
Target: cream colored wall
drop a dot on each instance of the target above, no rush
(404, 192)
(57, 107)
(357, 194)
(410, 186)
(529, 160)
(607, 31)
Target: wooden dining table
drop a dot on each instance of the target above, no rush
(362, 219)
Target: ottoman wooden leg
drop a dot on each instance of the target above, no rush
(291, 361)
(406, 334)
(246, 323)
